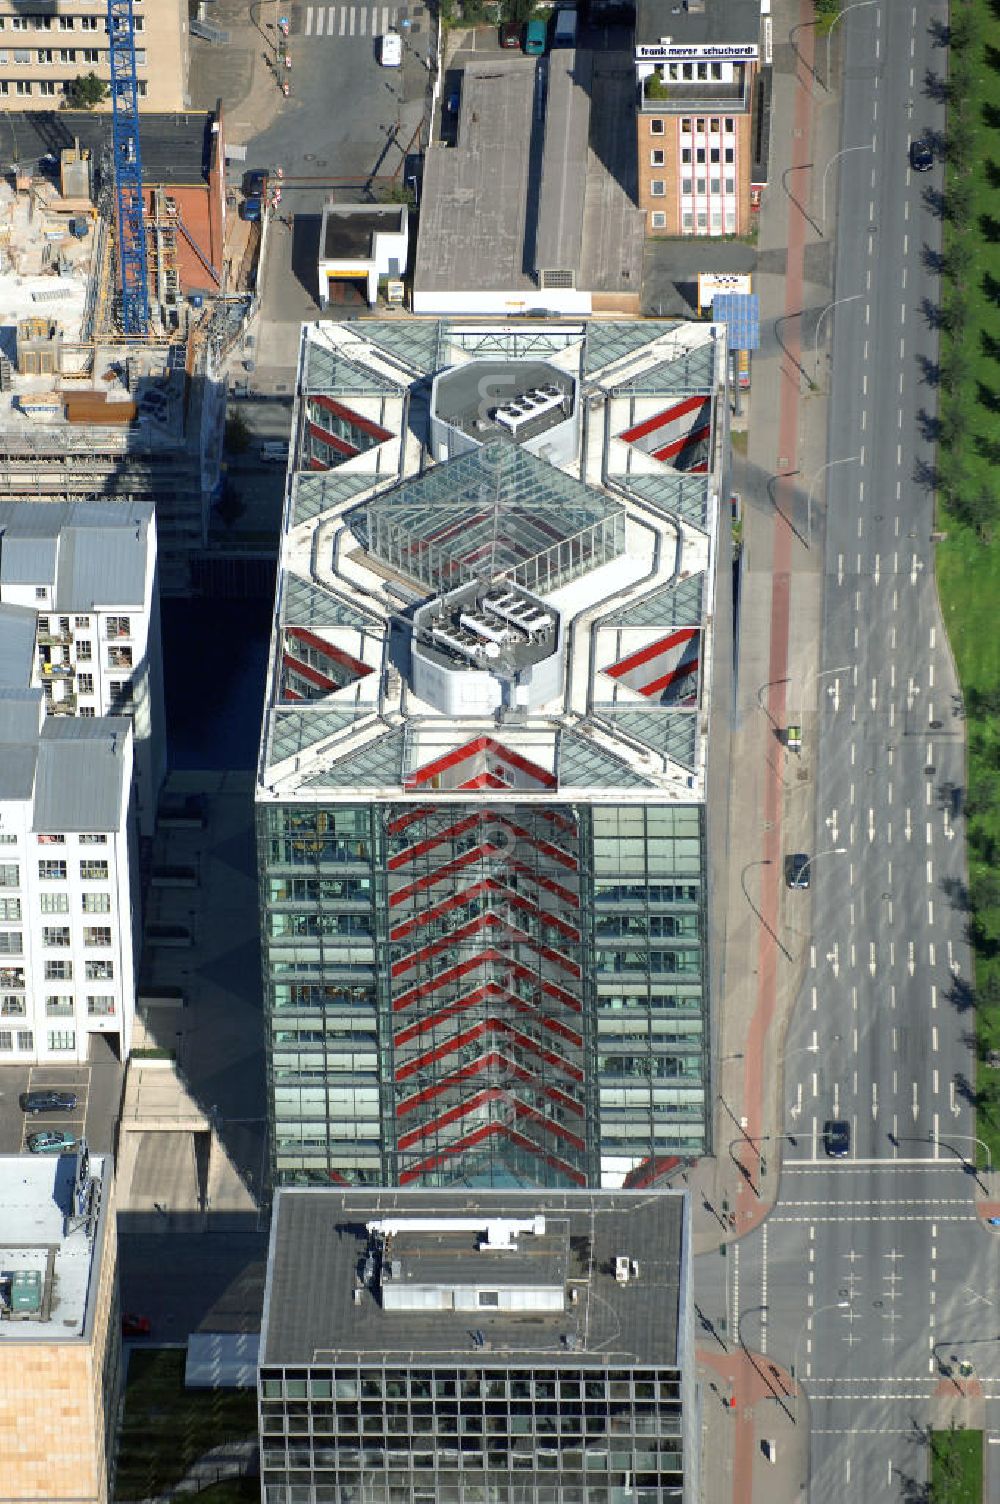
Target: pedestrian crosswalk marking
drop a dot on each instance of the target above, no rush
(349, 20)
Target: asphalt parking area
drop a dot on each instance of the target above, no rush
(48, 1077)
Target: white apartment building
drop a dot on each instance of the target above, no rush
(88, 573)
(68, 866)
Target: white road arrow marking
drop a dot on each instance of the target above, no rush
(916, 1106)
(874, 1099)
(871, 957)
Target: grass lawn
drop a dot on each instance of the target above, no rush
(968, 563)
(956, 1467)
(167, 1427)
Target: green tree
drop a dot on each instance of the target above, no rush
(85, 91)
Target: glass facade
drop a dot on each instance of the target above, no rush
(459, 994)
(470, 1435)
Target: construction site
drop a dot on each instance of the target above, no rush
(120, 298)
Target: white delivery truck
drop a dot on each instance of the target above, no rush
(564, 28)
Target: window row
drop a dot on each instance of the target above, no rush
(49, 89)
(726, 125)
(619, 1384)
(55, 869)
(99, 1005)
(24, 1040)
(66, 23)
(62, 1005)
(715, 185)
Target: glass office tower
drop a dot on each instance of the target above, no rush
(482, 792)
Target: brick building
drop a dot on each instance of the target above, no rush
(700, 105)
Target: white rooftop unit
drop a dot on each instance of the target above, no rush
(529, 405)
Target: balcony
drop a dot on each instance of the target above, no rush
(691, 96)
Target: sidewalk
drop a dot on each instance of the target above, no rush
(754, 1429)
(755, 1421)
(781, 604)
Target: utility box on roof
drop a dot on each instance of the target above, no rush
(25, 1290)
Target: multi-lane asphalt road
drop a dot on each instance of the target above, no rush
(874, 1277)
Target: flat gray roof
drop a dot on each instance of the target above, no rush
(319, 1243)
(613, 225)
(699, 21)
(349, 230)
(36, 1193)
(473, 206)
(559, 231)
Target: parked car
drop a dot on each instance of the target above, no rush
(50, 1141)
(136, 1326)
(254, 182)
(837, 1137)
(252, 207)
(797, 870)
(47, 1101)
(921, 155)
(510, 34)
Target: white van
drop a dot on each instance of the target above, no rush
(564, 28)
(274, 452)
(390, 52)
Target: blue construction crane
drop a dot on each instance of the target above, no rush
(128, 168)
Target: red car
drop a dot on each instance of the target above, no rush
(510, 34)
(136, 1326)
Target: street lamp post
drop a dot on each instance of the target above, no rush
(851, 459)
(830, 851)
(824, 673)
(857, 5)
(868, 146)
(838, 1305)
(942, 1138)
(853, 298)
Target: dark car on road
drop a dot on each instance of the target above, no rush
(797, 870)
(47, 1101)
(50, 1141)
(837, 1137)
(921, 155)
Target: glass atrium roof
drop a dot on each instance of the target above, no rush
(611, 341)
(496, 511)
(671, 492)
(689, 371)
(306, 605)
(292, 731)
(673, 732)
(331, 371)
(676, 605)
(317, 492)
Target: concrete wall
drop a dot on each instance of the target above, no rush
(506, 302)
